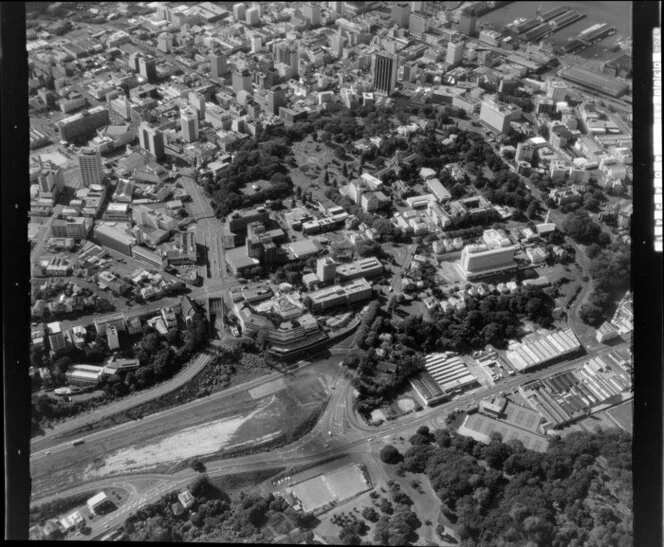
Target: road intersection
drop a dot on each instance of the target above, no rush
(350, 435)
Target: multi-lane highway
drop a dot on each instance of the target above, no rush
(349, 435)
(208, 228)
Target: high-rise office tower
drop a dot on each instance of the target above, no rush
(92, 171)
(256, 43)
(242, 81)
(400, 14)
(467, 23)
(151, 139)
(218, 65)
(197, 100)
(253, 16)
(189, 123)
(311, 12)
(454, 53)
(239, 12)
(418, 23)
(384, 72)
(147, 67)
(276, 98)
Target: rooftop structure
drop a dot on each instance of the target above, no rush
(481, 427)
(449, 372)
(540, 350)
(480, 260)
(345, 294)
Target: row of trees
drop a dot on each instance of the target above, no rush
(525, 497)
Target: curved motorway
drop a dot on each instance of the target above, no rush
(70, 426)
(349, 435)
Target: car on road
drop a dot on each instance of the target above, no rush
(47, 452)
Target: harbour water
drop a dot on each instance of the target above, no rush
(616, 14)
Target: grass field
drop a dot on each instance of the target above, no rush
(623, 415)
(335, 486)
(346, 482)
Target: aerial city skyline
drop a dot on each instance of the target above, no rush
(331, 272)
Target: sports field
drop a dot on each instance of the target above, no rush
(346, 482)
(313, 493)
(337, 486)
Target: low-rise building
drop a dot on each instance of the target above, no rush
(366, 267)
(336, 295)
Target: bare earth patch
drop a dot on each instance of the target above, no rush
(188, 443)
(406, 404)
(378, 416)
(267, 389)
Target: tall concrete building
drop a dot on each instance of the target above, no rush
(467, 23)
(400, 14)
(418, 23)
(481, 260)
(92, 171)
(256, 43)
(326, 269)
(147, 67)
(311, 12)
(524, 151)
(151, 139)
(556, 90)
(218, 65)
(498, 115)
(276, 98)
(253, 16)
(189, 124)
(384, 72)
(242, 81)
(197, 101)
(56, 337)
(239, 12)
(454, 53)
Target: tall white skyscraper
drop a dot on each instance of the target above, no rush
(92, 171)
(454, 53)
(189, 121)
